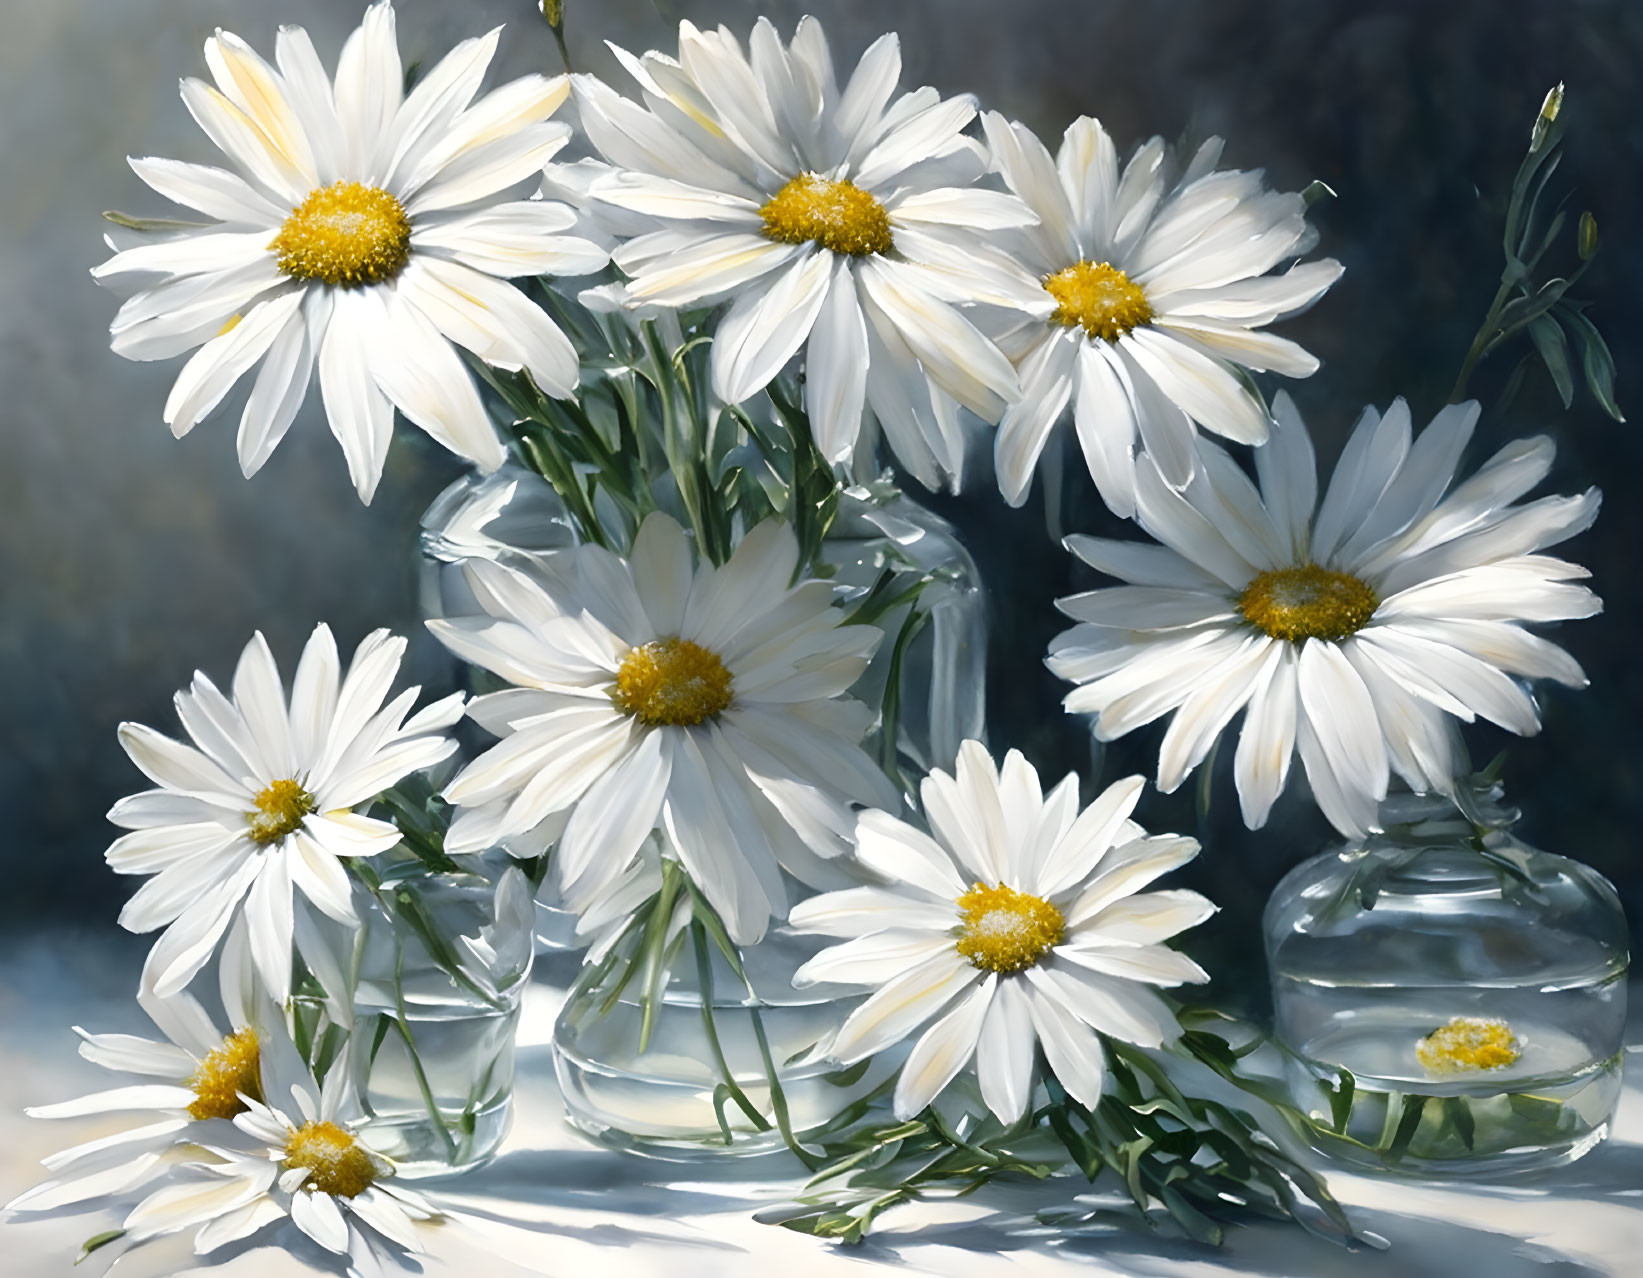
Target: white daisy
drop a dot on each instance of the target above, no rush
(653, 692)
(362, 231)
(264, 801)
(198, 1075)
(1020, 922)
(837, 221)
(1352, 632)
(300, 1156)
(1150, 300)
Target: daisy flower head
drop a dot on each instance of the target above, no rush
(1151, 300)
(651, 691)
(1355, 630)
(837, 221)
(1018, 921)
(360, 232)
(298, 1154)
(200, 1073)
(264, 801)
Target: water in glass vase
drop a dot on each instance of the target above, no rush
(1478, 1010)
(443, 966)
(669, 1099)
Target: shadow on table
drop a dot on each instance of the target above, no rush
(1124, 1243)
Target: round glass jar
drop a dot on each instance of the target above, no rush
(1450, 1004)
(667, 1099)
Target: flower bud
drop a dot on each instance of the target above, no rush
(1548, 113)
(1586, 237)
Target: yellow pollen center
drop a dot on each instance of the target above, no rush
(1098, 298)
(671, 682)
(336, 1163)
(346, 234)
(1006, 930)
(225, 1073)
(1308, 602)
(1468, 1043)
(837, 215)
(281, 806)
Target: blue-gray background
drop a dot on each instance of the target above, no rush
(127, 559)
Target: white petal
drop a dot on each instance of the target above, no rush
(318, 1216)
(268, 912)
(1202, 388)
(1004, 1054)
(896, 850)
(494, 320)
(360, 415)
(765, 328)
(1120, 1009)
(944, 1049)
(876, 958)
(1072, 1049)
(865, 910)
(214, 369)
(836, 368)
(416, 368)
(902, 1005)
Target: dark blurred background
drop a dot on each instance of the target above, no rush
(129, 559)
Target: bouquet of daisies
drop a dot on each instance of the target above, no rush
(711, 315)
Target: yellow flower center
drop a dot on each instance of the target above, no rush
(1099, 298)
(227, 1072)
(672, 683)
(1308, 602)
(837, 215)
(346, 234)
(281, 806)
(336, 1163)
(1006, 930)
(1468, 1043)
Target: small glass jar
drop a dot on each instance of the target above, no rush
(669, 1099)
(1451, 1001)
(443, 960)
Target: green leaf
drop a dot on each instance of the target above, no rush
(1548, 338)
(1596, 361)
(1316, 190)
(1413, 1108)
(1518, 312)
(97, 1242)
(1199, 1226)
(849, 1075)
(1340, 1098)
(1459, 1112)
(1586, 237)
(149, 223)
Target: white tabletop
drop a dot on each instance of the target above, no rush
(554, 1204)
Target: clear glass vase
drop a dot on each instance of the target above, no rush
(669, 1098)
(442, 962)
(940, 662)
(1451, 1002)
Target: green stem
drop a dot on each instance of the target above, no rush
(1481, 341)
(704, 971)
(402, 1020)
